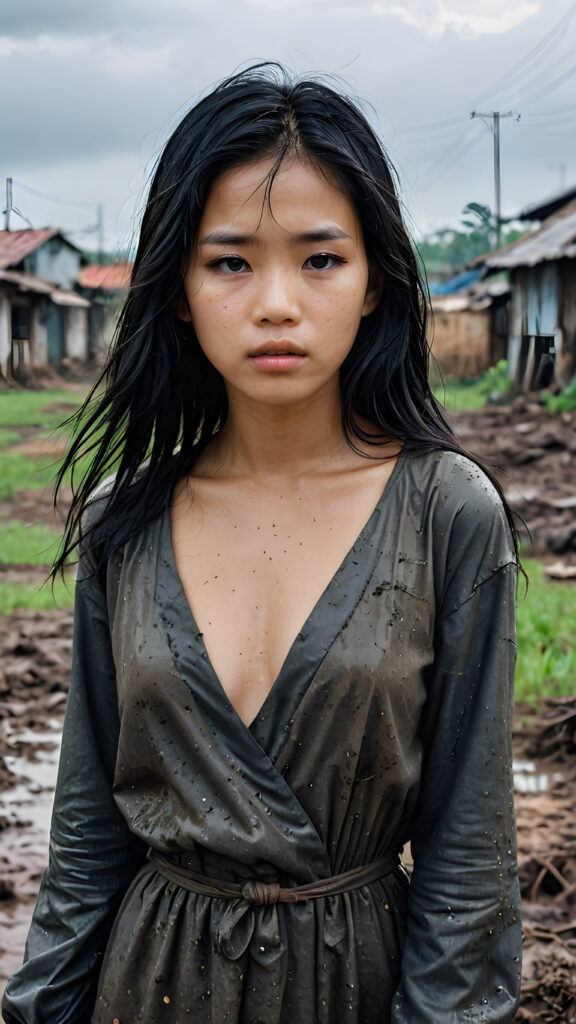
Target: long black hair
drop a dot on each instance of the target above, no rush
(163, 401)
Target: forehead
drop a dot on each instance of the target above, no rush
(300, 192)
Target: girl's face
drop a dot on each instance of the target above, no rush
(276, 291)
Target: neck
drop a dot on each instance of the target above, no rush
(272, 441)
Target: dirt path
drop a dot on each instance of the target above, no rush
(533, 454)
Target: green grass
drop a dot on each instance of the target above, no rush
(461, 395)
(18, 408)
(9, 437)
(546, 664)
(35, 597)
(31, 544)
(564, 402)
(20, 473)
(21, 408)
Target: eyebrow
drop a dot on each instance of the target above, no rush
(328, 234)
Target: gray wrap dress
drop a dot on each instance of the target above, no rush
(389, 722)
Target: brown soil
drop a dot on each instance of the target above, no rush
(532, 452)
(35, 507)
(42, 447)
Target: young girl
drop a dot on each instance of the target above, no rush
(295, 618)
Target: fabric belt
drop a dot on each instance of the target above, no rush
(260, 893)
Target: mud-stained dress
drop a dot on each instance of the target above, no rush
(388, 722)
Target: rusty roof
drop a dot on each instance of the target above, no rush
(555, 239)
(15, 245)
(112, 278)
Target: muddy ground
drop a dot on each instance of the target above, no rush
(533, 455)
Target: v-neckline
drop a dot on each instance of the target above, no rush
(307, 627)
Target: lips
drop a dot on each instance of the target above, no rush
(277, 348)
(276, 356)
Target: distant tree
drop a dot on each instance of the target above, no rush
(106, 258)
(451, 249)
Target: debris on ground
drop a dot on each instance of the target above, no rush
(531, 451)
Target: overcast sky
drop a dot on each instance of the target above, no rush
(90, 90)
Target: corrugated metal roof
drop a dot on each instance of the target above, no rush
(112, 278)
(15, 245)
(30, 283)
(555, 239)
(476, 299)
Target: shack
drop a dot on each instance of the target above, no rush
(469, 326)
(43, 319)
(542, 269)
(105, 286)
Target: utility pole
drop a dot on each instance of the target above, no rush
(100, 230)
(8, 209)
(561, 168)
(496, 117)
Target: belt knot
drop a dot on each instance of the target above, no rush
(261, 894)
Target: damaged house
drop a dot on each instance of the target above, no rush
(542, 271)
(43, 320)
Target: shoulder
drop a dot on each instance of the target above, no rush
(96, 505)
(453, 486)
(463, 517)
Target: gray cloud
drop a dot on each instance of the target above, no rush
(102, 83)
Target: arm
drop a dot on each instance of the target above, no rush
(93, 856)
(461, 962)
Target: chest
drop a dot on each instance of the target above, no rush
(253, 571)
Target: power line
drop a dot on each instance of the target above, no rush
(525, 101)
(416, 129)
(460, 146)
(533, 55)
(51, 198)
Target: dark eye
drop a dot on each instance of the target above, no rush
(230, 264)
(323, 261)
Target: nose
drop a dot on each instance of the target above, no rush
(277, 299)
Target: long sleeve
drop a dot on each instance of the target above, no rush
(93, 856)
(461, 961)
